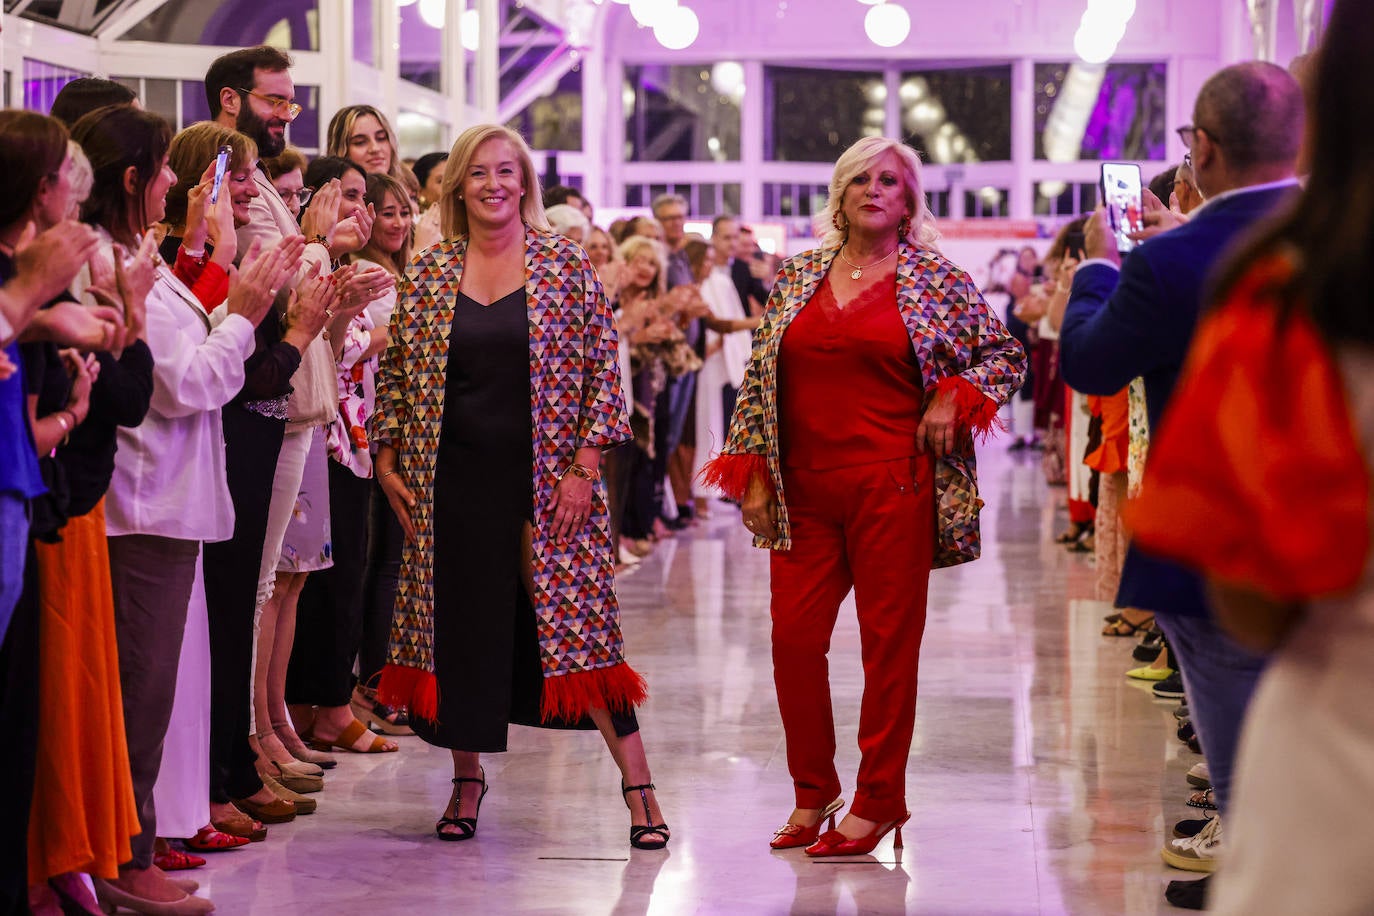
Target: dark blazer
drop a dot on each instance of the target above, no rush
(746, 284)
(1140, 322)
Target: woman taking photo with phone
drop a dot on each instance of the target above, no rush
(869, 491)
(499, 390)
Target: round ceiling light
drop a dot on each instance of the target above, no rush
(727, 78)
(649, 13)
(887, 25)
(432, 13)
(678, 29)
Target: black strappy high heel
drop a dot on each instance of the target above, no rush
(467, 826)
(638, 834)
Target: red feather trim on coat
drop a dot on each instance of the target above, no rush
(976, 412)
(731, 473)
(571, 696)
(413, 688)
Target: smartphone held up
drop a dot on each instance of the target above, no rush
(1123, 201)
(221, 165)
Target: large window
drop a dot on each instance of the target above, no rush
(422, 50)
(554, 122)
(676, 114)
(1111, 112)
(813, 115)
(789, 199)
(1059, 198)
(365, 38)
(703, 200)
(959, 115)
(42, 83)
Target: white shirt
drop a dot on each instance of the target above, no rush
(729, 361)
(169, 477)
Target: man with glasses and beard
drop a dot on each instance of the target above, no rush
(251, 91)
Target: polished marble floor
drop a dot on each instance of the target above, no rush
(1041, 780)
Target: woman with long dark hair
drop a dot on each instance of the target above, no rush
(83, 813)
(169, 492)
(1260, 476)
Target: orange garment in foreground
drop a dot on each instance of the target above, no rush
(83, 798)
(1256, 475)
(1115, 411)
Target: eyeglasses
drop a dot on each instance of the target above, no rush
(289, 109)
(1188, 133)
(302, 195)
(1187, 160)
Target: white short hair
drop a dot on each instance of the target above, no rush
(563, 217)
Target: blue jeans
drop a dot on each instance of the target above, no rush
(1218, 677)
(14, 544)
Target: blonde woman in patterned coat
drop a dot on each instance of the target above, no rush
(498, 392)
(851, 449)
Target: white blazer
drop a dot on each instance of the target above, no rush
(169, 478)
(312, 402)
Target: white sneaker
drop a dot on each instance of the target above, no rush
(628, 557)
(1199, 776)
(1196, 853)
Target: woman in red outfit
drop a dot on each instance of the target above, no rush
(864, 388)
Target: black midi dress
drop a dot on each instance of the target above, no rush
(486, 643)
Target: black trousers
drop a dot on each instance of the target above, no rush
(383, 572)
(329, 617)
(616, 465)
(252, 444)
(19, 725)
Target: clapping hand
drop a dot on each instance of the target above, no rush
(353, 233)
(254, 285)
(47, 262)
(128, 287)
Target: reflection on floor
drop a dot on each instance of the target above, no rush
(1041, 781)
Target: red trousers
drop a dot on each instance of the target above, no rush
(870, 528)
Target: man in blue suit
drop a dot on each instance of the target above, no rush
(1136, 317)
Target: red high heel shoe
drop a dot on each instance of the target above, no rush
(834, 843)
(790, 836)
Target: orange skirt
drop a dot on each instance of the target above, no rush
(83, 797)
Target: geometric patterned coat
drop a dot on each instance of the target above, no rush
(959, 344)
(576, 401)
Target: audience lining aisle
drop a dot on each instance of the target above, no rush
(1041, 780)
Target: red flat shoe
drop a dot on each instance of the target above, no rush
(790, 836)
(176, 860)
(834, 843)
(211, 840)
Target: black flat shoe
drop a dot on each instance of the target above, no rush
(467, 826)
(654, 836)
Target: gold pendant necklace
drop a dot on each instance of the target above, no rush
(858, 271)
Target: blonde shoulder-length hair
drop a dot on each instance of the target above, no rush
(636, 245)
(453, 211)
(858, 159)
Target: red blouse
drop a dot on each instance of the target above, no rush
(849, 387)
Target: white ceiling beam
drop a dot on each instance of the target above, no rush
(77, 14)
(126, 17)
(545, 74)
